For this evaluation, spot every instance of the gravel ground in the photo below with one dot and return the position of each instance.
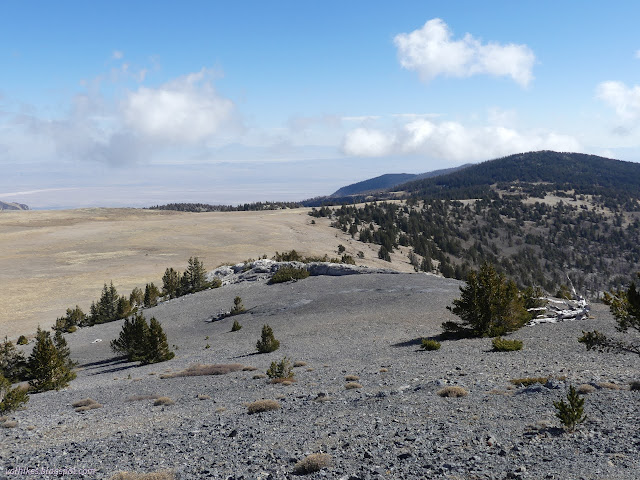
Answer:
(394, 427)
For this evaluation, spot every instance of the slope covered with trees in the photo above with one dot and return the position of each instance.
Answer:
(543, 218)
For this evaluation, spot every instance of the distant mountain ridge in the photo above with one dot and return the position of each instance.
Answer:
(13, 206)
(388, 181)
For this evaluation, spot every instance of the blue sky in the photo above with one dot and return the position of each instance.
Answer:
(137, 103)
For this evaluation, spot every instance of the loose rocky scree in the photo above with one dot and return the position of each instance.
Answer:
(395, 427)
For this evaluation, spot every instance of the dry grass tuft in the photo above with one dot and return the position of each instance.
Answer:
(312, 463)
(309, 369)
(137, 398)
(383, 370)
(453, 392)
(262, 406)
(249, 369)
(610, 386)
(9, 424)
(585, 388)
(352, 385)
(3, 419)
(200, 369)
(352, 378)
(258, 376)
(528, 381)
(220, 409)
(158, 475)
(299, 364)
(203, 397)
(283, 381)
(85, 405)
(163, 401)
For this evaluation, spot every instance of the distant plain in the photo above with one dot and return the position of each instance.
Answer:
(53, 260)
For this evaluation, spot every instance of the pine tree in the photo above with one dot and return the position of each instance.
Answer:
(12, 362)
(196, 275)
(267, 342)
(64, 352)
(157, 346)
(238, 307)
(142, 342)
(48, 369)
(132, 339)
(71, 320)
(571, 413)
(11, 398)
(151, 294)
(171, 281)
(489, 305)
(136, 298)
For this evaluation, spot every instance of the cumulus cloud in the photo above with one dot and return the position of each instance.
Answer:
(452, 141)
(624, 100)
(187, 109)
(368, 142)
(431, 51)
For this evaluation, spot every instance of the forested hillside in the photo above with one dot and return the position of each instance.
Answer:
(544, 218)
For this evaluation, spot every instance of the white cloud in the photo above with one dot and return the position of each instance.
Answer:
(117, 55)
(185, 110)
(638, 54)
(625, 100)
(366, 142)
(431, 52)
(453, 141)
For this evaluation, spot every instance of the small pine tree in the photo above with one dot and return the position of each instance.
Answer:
(157, 346)
(71, 320)
(238, 307)
(48, 368)
(22, 340)
(132, 339)
(383, 254)
(136, 298)
(281, 369)
(11, 398)
(151, 294)
(236, 326)
(572, 413)
(267, 342)
(142, 342)
(490, 305)
(12, 362)
(171, 283)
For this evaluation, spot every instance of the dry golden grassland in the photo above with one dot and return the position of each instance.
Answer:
(53, 260)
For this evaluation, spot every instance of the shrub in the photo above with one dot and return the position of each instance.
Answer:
(22, 340)
(299, 364)
(570, 413)
(71, 320)
(262, 406)
(453, 392)
(267, 342)
(502, 345)
(489, 306)
(528, 381)
(86, 405)
(312, 463)
(49, 366)
(352, 378)
(11, 398)
(625, 308)
(281, 370)
(286, 274)
(430, 344)
(236, 326)
(163, 401)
